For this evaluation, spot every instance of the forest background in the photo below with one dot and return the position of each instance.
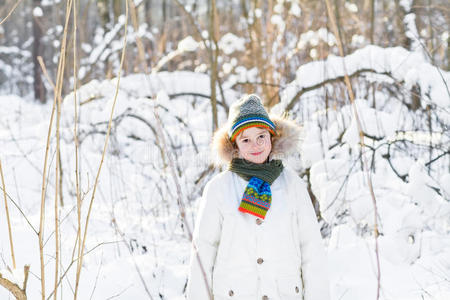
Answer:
(107, 109)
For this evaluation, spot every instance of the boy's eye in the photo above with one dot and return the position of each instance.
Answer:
(262, 136)
(245, 140)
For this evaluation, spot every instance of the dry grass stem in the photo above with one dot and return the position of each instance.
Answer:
(361, 136)
(80, 261)
(10, 12)
(7, 218)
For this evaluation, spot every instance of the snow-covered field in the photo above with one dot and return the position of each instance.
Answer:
(136, 243)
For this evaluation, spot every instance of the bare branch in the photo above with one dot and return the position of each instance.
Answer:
(13, 288)
(302, 91)
(10, 12)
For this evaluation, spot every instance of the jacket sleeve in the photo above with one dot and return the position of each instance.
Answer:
(314, 258)
(206, 238)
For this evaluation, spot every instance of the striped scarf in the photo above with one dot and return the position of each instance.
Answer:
(257, 194)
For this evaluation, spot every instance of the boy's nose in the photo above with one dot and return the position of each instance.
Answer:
(256, 144)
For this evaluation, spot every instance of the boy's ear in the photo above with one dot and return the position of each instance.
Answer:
(221, 146)
(235, 151)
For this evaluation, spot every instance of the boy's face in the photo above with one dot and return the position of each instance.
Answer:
(254, 144)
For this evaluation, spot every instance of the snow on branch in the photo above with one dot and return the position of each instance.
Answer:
(15, 282)
(403, 66)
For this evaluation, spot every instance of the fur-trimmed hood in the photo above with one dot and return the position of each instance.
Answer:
(284, 144)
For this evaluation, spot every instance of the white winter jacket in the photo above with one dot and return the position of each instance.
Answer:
(247, 258)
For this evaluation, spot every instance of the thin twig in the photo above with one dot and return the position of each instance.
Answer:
(42, 213)
(297, 96)
(75, 260)
(116, 227)
(139, 43)
(44, 70)
(180, 203)
(21, 212)
(7, 218)
(80, 262)
(361, 136)
(10, 12)
(431, 59)
(75, 133)
(57, 95)
(198, 32)
(59, 82)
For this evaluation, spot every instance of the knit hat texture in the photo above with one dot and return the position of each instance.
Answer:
(248, 112)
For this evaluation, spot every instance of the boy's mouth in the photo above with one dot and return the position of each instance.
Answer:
(256, 153)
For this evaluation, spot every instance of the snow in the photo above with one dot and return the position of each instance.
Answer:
(313, 37)
(227, 68)
(37, 12)
(135, 224)
(444, 36)
(406, 4)
(229, 43)
(205, 34)
(278, 21)
(358, 39)
(258, 13)
(162, 97)
(351, 7)
(14, 50)
(86, 47)
(412, 217)
(16, 276)
(278, 8)
(397, 62)
(313, 53)
(187, 44)
(445, 184)
(202, 68)
(103, 42)
(411, 32)
(295, 10)
(49, 2)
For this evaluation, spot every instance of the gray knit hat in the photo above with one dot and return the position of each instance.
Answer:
(248, 112)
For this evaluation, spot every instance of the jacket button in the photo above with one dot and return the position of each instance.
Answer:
(259, 221)
(265, 297)
(260, 260)
(231, 293)
(296, 289)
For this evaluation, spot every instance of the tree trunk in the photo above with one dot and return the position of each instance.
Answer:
(258, 46)
(399, 20)
(430, 33)
(372, 21)
(164, 12)
(38, 85)
(338, 24)
(117, 9)
(448, 52)
(103, 11)
(213, 60)
(148, 13)
(163, 34)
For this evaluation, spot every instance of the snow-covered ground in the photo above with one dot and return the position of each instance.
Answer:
(135, 238)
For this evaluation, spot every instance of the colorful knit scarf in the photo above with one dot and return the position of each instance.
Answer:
(257, 195)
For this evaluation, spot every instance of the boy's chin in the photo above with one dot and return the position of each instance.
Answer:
(257, 160)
